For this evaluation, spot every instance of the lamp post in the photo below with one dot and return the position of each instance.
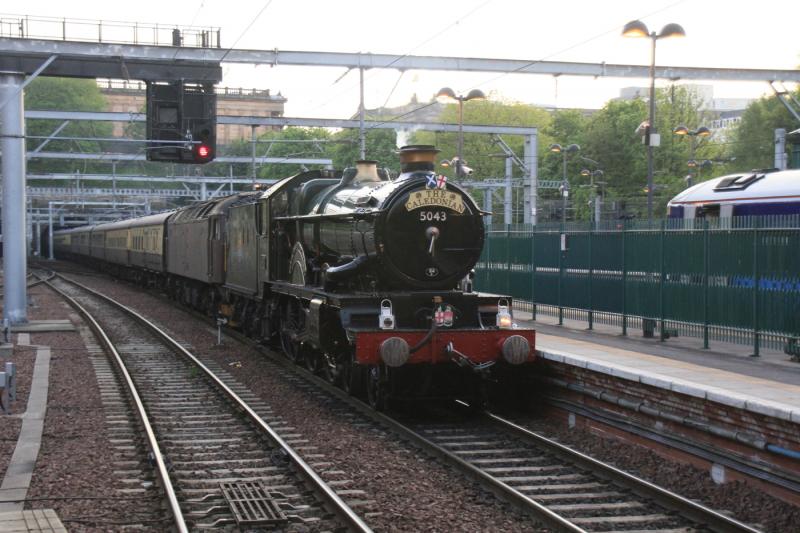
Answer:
(701, 132)
(637, 28)
(445, 94)
(596, 199)
(564, 188)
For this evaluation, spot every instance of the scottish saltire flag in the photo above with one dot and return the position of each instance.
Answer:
(431, 182)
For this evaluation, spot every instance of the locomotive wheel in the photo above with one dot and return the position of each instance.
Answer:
(352, 381)
(377, 387)
(331, 371)
(291, 324)
(313, 361)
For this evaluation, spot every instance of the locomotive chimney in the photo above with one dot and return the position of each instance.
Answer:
(418, 158)
(366, 171)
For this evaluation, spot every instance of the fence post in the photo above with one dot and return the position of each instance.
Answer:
(508, 260)
(706, 266)
(533, 273)
(561, 239)
(624, 284)
(661, 333)
(488, 243)
(591, 275)
(756, 283)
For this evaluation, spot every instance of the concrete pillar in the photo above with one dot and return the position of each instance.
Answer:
(362, 136)
(487, 205)
(531, 179)
(28, 227)
(780, 149)
(598, 203)
(50, 231)
(508, 198)
(15, 261)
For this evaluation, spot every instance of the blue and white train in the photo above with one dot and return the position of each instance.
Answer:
(753, 193)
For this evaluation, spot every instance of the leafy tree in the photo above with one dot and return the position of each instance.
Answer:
(610, 138)
(380, 144)
(480, 151)
(752, 141)
(65, 94)
(274, 144)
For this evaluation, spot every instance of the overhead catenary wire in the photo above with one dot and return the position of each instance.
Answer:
(440, 32)
(534, 62)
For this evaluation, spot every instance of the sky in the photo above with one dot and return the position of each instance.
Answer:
(720, 33)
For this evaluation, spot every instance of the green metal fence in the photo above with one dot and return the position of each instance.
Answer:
(733, 280)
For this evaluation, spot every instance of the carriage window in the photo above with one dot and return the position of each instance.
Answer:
(707, 211)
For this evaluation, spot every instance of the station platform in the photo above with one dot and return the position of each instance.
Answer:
(36, 520)
(725, 373)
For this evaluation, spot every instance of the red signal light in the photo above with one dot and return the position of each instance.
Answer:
(202, 153)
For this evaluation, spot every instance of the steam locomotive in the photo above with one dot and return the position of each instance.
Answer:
(364, 279)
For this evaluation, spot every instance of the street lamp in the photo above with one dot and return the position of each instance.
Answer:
(445, 94)
(701, 132)
(637, 28)
(564, 187)
(596, 199)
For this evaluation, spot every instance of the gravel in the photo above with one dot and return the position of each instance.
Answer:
(740, 499)
(24, 357)
(76, 459)
(411, 491)
(417, 493)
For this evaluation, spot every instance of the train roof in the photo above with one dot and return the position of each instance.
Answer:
(209, 208)
(79, 229)
(775, 185)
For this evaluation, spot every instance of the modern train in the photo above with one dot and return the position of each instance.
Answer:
(363, 278)
(753, 193)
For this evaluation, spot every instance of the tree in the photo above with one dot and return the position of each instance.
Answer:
(65, 94)
(752, 143)
(480, 151)
(380, 144)
(610, 138)
(278, 144)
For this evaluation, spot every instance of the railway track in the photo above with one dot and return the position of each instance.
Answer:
(562, 488)
(28, 283)
(566, 489)
(218, 462)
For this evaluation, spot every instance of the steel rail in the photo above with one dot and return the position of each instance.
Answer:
(692, 510)
(687, 508)
(152, 442)
(31, 284)
(499, 489)
(352, 520)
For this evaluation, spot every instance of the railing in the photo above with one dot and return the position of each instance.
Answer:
(733, 280)
(105, 31)
(52, 192)
(233, 92)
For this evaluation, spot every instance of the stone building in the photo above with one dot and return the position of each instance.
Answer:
(129, 97)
